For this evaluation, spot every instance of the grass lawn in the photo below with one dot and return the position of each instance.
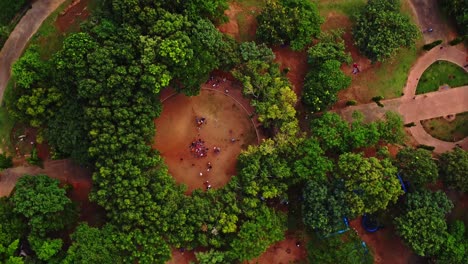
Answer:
(385, 79)
(445, 130)
(440, 73)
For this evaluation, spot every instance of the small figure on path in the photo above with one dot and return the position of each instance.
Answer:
(355, 68)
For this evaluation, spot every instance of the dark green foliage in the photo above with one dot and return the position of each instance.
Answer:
(324, 207)
(381, 30)
(432, 45)
(455, 248)
(256, 236)
(293, 22)
(322, 85)
(457, 9)
(351, 102)
(35, 99)
(271, 92)
(325, 78)
(337, 136)
(9, 9)
(5, 161)
(311, 162)
(426, 147)
(331, 46)
(454, 169)
(423, 225)
(344, 249)
(11, 227)
(417, 166)
(34, 158)
(458, 40)
(93, 245)
(370, 184)
(40, 200)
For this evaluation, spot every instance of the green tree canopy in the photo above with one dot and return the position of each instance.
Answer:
(370, 184)
(417, 166)
(381, 30)
(423, 225)
(41, 200)
(293, 22)
(453, 169)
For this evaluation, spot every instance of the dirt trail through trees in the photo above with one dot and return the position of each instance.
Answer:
(20, 36)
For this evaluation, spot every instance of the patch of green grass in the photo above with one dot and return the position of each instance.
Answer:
(6, 122)
(391, 76)
(445, 130)
(440, 73)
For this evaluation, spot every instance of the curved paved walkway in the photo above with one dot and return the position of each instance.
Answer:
(425, 106)
(20, 36)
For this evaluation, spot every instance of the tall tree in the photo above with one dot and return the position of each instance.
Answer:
(370, 184)
(45, 205)
(453, 169)
(293, 22)
(417, 166)
(381, 30)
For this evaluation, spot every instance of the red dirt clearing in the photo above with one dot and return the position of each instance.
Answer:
(283, 252)
(176, 129)
(75, 13)
(387, 247)
(296, 61)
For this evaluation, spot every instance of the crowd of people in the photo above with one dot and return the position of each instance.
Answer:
(198, 148)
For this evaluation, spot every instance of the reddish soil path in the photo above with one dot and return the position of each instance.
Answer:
(226, 120)
(20, 36)
(386, 246)
(430, 105)
(283, 252)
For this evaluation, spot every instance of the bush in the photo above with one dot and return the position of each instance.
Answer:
(458, 40)
(5, 161)
(432, 45)
(430, 148)
(377, 98)
(34, 159)
(412, 124)
(351, 102)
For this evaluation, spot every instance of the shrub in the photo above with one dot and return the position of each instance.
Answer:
(5, 161)
(351, 102)
(458, 40)
(412, 124)
(432, 45)
(430, 148)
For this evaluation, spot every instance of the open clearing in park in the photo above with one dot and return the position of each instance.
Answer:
(176, 129)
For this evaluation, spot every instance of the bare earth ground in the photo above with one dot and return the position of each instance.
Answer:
(176, 129)
(429, 16)
(77, 11)
(283, 252)
(387, 247)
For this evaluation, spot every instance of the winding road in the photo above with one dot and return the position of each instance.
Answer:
(425, 106)
(21, 35)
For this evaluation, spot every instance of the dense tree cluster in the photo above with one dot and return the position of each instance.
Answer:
(110, 76)
(458, 10)
(290, 22)
(381, 30)
(325, 77)
(417, 166)
(423, 225)
(453, 169)
(37, 210)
